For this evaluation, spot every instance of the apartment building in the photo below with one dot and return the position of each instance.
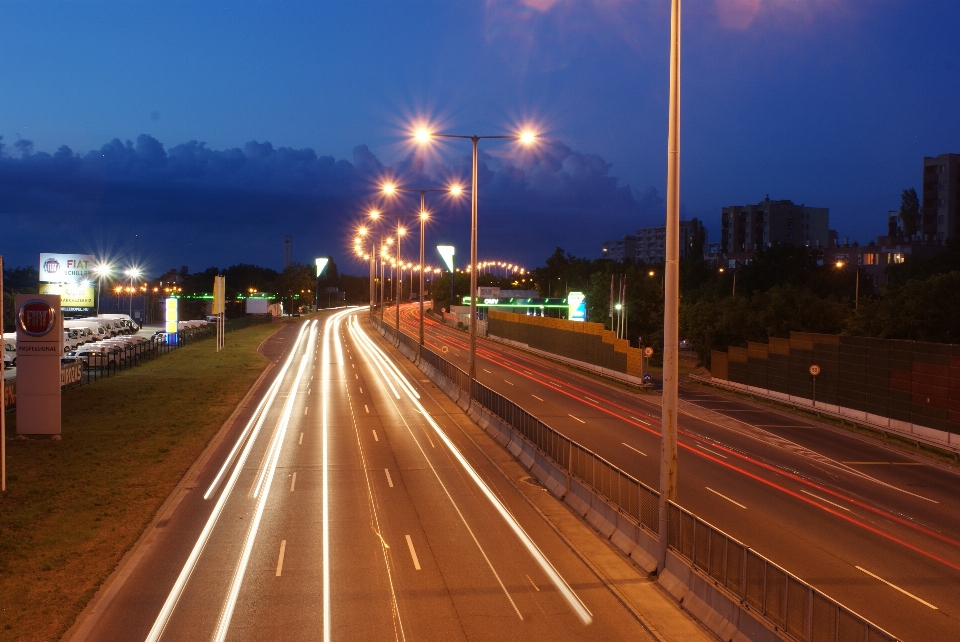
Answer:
(747, 228)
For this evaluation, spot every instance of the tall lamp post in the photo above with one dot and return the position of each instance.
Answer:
(390, 189)
(101, 270)
(133, 273)
(671, 299)
(525, 137)
(856, 291)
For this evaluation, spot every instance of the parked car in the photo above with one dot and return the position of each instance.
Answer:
(10, 348)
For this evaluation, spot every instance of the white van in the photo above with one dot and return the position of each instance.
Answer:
(129, 325)
(10, 348)
(97, 330)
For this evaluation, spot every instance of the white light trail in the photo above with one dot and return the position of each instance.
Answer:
(174, 596)
(578, 607)
(226, 615)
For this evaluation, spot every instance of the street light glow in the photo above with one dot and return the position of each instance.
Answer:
(389, 188)
(401, 231)
(456, 190)
(362, 231)
(374, 214)
(839, 264)
(527, 137)
(424, 216)
(422, 135)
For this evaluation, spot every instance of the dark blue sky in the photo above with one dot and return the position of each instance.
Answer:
(827, 102)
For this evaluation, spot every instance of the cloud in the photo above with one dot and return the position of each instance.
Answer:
(192, 205)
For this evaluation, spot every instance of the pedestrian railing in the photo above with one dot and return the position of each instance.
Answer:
(793, 607)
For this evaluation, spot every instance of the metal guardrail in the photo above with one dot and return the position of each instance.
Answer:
(793, 607)
(797, 609)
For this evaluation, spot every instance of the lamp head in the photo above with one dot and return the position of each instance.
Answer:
(389, 188)
(422, 135)
(527, 137)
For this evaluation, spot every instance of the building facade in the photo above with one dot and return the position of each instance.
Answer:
(940, 202)
(747, 228)
(623, 250)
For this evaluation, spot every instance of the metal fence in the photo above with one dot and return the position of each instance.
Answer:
(795, 608)
(113, 360)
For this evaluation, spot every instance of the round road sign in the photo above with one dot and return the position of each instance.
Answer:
(814, 370)
(36, 317)
(443, 348)
(648, 352)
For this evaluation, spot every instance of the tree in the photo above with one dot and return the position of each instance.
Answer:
(910, 211)
(295, 285)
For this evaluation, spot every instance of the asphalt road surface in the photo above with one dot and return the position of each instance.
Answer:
(342, 503)
(868, 525)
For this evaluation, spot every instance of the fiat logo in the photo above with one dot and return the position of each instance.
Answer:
(51, 266)
(36, 317)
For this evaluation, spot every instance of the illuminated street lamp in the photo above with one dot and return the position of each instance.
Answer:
(133, 273)
(101, 270)
(390, 189)
(525, 137)
(856, 292)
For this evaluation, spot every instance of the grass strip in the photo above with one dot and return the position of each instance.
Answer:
(74, 507)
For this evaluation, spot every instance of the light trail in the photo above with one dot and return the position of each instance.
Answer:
(156, 631)
(226, 614)
(578, 607)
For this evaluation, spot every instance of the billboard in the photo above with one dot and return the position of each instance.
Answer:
(577, 304)
(72, 295)
(65, 268)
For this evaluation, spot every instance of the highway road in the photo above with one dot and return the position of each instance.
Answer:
(343, 503)
(869, 525)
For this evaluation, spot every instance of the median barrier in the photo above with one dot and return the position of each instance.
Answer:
(731, 589)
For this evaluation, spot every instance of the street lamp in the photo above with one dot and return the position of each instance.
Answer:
(526, 137)
(856, 292)
(101, 270)
(133, 273)
(390, 189)
(671, 297)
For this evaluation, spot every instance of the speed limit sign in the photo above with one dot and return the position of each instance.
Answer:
(814, 370)
(648, 352)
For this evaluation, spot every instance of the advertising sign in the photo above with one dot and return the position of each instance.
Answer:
(321, 264)
(171, 316)
(446, 253)
(65, 268)
(487, 292)
(72, 295)
(39, 347)
(577, 304)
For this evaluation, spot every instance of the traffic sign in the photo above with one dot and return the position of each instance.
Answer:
(814, 370)
(648, 352)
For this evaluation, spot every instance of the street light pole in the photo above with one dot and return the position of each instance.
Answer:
(671, 302)
(399, 288)
(526, 137)
(423, 220)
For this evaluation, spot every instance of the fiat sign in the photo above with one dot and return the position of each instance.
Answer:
(36, 317)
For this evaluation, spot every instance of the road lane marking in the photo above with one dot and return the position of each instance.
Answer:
(293, 481)
(305, 410)
(375, 438)
(593, 400)
(413, 553)
(712, 452)
(576, 604)
(534, 584)
(308, 391)
(894, 586)
(536, 397)
(357, 376)
(366, 408)
(389, 479)
(301, 439)
(505, 381)
(487, 371)
(725, 497)
(826, 501)
(633, 449)
(255, 423)
(361, 391)
(578, 419)
(643, 421)
(283, 548)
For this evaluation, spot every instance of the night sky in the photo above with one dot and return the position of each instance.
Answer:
(202, 133)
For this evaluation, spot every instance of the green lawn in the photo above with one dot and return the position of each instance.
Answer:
(74, 507)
